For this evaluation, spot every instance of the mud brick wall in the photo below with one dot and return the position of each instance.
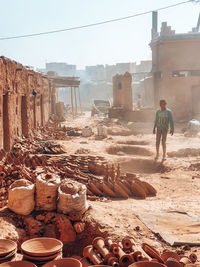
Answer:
(122, 91)
(20, 110)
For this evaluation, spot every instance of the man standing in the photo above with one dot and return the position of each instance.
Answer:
(163, 120)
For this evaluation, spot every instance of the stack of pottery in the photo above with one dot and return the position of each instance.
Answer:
(8, 250)
(42, 250)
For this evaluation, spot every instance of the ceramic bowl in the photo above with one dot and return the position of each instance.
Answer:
(42, 246)
(7, 246)
(66, 262)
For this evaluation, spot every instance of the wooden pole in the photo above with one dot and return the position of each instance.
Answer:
(80, 100)
(72, 102)
(76, 110)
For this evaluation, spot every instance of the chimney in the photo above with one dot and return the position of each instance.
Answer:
(154, 23)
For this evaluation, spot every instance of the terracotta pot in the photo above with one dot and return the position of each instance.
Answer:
(147, 264)
(184, 261)
(127, 243)
(151, 191)
(138, 190)
(170, 254)
(99, 244)
(89, 253)
(113, 261)
(193, 257)
(107, 190)
(114, 248)
(120, 192)
(125, 188)
(108, 242)
(136, 254)
(152, 252)
(94, 189)
(171, 262)
(65, 262)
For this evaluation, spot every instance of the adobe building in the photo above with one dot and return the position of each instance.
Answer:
(176, 69)
(24, 101)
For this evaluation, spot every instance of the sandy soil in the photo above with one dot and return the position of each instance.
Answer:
(176, 182)
(178, 188)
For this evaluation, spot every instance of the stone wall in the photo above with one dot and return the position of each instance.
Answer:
(122, 91)
(24, 101)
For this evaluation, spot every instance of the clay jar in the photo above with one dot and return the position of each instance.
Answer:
(89, 253)
(99, 244)
(127, 243)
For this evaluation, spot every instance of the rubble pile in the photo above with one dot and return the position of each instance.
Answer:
(126, 253)
(34, 146)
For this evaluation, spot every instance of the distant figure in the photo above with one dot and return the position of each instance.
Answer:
(163, 120)
(139, 102)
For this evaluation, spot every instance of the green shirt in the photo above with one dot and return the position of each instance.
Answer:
(164, 119)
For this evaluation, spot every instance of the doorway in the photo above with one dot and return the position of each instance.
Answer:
(6, 124)
(196, 100)
(24, 117)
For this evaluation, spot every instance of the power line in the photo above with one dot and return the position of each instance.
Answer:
(93, 24)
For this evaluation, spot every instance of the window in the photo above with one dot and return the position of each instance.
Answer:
(185, 73)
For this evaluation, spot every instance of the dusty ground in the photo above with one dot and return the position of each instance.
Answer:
(178, 188)
(177, 184)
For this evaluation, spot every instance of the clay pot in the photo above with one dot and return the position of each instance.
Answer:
(125, 188)
(152, 252)
(113, 261)
(106, 189)
(147, 264)
(99, 244)
(94, 189)
(89, 253)
(193, 257)
(99, 266)
(184, 261)
(65, 262)
(120, 192)
(114, 248)
(171, 262)
(151, 191)
(138, 190)
(170, 254)
(127, 243)
(108, 242)
(89, 193)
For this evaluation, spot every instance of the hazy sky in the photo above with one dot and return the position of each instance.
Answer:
(123, 41)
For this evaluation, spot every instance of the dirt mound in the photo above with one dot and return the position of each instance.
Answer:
(134, 142)
(120, 131)
(133, 150)
(185, 152)
(144, 166)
